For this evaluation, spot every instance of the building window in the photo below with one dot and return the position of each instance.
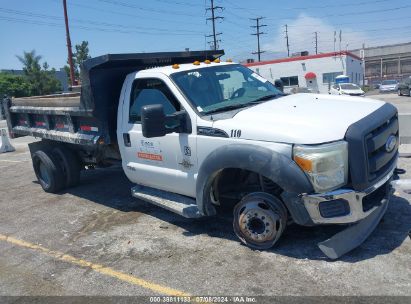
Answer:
(330, 77)
(290, 81)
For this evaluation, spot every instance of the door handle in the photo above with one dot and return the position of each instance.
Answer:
(126, 138)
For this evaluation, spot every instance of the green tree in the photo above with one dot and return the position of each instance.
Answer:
(42, 81)
(79, 56)
(14, 85)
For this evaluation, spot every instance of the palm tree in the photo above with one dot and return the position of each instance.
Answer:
(31, 62)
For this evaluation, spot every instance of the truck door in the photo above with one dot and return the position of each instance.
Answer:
(167, 163)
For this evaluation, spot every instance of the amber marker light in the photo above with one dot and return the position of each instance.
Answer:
(229, 60)
(217, 60)
(207, 61)
(305, 164)
(196, 62)
(175, 66)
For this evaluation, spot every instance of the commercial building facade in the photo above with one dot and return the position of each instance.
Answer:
(386, 62)
(316, 72)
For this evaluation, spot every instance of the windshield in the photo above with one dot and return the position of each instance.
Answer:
(225, 87)
(387, 82)
(349, 86)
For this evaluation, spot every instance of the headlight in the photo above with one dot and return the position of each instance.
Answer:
(325, 165)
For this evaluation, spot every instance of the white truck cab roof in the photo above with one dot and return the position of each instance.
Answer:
(171, 69)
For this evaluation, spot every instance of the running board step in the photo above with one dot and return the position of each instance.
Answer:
(176, 203)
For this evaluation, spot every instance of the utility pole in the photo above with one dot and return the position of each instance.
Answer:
(286, 38)
(213, 18)
(70, 53)
(258, 33)
(316, 42)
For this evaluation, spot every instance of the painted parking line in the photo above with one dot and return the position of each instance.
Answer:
(13, 161)
(108, 271)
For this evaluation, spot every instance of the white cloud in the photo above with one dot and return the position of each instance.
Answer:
(301, 36)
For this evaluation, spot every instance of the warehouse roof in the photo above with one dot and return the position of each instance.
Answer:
(298, 58)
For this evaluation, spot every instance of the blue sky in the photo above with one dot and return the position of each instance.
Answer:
(121, 26)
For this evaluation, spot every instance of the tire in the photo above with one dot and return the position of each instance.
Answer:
(259, 220)
(48, 171)
(70, 164)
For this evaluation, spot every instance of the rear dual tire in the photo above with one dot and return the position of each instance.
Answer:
(56, 169)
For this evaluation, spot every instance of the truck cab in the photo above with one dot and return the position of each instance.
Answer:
(194, 134)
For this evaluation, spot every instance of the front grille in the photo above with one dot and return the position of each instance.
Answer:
(379, 159)
(369, 159)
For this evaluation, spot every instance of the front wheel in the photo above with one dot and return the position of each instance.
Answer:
(259, 220)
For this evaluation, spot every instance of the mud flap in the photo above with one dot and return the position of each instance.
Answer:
(353, 236)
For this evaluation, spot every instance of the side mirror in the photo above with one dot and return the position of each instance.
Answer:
(279, 84)
(153, 121)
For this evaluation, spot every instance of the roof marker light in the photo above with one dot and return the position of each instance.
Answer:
(217, 60)
(207, 61)
(175, 66)
(196, 62)
(229, 60)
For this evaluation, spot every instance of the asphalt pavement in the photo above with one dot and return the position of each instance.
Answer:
(95, 239)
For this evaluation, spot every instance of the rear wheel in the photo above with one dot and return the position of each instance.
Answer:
(70, 164)
(48, 171)
(259, 220)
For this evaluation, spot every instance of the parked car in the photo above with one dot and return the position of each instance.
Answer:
(388, 86)
(404, 88)
(346, 89)
(198, 135)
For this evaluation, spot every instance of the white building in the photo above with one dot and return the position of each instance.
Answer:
(316, 72)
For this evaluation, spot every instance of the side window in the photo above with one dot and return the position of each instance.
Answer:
(151, 91)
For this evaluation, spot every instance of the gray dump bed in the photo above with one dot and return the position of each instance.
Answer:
(89, 117)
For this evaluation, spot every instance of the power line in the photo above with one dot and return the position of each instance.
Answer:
(37, 22)
(151, 10)
(145, 16)
(213, 18)
(43, 16)
(258, 33)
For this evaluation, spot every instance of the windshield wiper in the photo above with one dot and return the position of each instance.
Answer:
(227, 108)
(266, 97)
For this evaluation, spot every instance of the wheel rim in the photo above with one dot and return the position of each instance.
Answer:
(44, 175)
(258, 222)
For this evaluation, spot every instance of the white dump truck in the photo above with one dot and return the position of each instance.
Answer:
(194, 133)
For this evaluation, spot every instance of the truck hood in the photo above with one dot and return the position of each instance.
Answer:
(300, 118)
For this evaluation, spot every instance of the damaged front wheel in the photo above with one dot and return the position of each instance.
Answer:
(259, 220)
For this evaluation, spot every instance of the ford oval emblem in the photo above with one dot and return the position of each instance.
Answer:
(390, 143)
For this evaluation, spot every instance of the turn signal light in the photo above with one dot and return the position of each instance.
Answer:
(305, 164)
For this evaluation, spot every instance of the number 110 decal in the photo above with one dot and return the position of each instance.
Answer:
(235, 133)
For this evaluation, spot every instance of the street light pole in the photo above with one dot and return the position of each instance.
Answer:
(70, 53)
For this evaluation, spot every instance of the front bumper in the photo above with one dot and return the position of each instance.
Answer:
(365, 221)
(346, 205)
